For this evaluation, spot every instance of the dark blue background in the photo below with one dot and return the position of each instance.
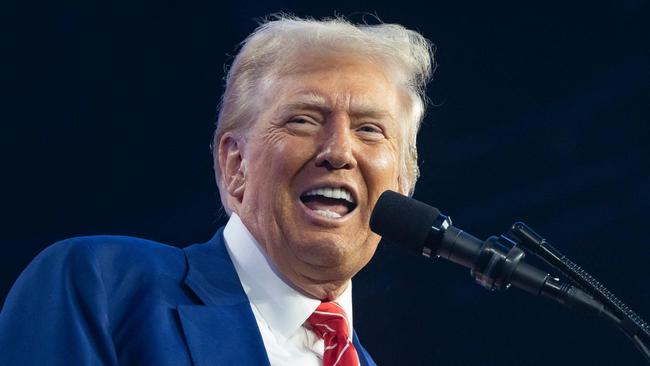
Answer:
(539, 113)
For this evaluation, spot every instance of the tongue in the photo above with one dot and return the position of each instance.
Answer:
(327, 204)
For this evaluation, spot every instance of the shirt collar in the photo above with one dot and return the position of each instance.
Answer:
(283, 308)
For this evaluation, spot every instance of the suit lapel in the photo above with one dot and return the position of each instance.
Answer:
(223, 329)
(216, 335)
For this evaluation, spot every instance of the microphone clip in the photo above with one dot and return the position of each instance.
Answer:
(497, 260)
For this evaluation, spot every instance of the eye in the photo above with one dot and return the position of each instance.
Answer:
(303, 120)
(371, 130)
(299, 120)
(302, 125)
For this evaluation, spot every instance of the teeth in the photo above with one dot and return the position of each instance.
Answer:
(327, 213)
(338, 193)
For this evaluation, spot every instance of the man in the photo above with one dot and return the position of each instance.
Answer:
(317, 120)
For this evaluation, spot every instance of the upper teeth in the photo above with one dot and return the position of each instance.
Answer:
(340, 193)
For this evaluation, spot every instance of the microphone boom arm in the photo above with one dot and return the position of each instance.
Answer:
(497, 263)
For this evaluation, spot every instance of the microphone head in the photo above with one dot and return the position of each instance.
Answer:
(403, 220)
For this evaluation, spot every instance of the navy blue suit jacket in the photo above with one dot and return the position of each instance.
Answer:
(109, 300)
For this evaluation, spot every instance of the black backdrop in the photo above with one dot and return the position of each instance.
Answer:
(539, 113)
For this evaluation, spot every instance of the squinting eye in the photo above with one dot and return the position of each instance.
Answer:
(299, 120)
(301, 124)
(370, 129)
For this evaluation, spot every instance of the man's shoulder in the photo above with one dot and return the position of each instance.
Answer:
(103, 266)
(102, 293)
(111, 261)
(112, 251)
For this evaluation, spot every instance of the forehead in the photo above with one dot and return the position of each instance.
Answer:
(329, 83)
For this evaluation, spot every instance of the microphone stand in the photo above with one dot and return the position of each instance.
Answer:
(499, 264)
(631, 324)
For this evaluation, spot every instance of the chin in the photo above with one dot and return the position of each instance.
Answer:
(335, 257)
(328, 251)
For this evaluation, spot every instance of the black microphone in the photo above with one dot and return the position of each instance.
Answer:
(495, 263)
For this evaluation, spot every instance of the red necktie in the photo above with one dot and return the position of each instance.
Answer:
(330, 323)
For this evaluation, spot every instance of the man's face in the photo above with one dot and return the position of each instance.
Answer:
(325, 145)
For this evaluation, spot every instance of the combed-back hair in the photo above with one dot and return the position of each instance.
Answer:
(275, 47)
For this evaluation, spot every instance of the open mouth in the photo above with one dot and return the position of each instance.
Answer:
(329, 202)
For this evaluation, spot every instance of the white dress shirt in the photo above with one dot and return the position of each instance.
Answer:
(280, 310)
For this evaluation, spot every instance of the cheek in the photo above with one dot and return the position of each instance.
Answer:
(279, 159)
(382, 169)
(290, 154)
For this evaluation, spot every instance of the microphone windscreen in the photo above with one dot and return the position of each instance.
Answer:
(403, 220)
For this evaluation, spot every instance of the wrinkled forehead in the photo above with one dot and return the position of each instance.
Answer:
(330, 81)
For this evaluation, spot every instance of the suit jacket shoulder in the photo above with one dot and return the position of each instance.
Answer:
(87, 300)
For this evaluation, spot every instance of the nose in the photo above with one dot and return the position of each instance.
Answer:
(336, 150)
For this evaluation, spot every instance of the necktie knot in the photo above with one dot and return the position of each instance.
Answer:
(329, 320)
(330, 323)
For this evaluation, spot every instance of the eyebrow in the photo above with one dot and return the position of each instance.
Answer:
(314, 101)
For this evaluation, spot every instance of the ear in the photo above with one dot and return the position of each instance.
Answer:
(232, 164)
